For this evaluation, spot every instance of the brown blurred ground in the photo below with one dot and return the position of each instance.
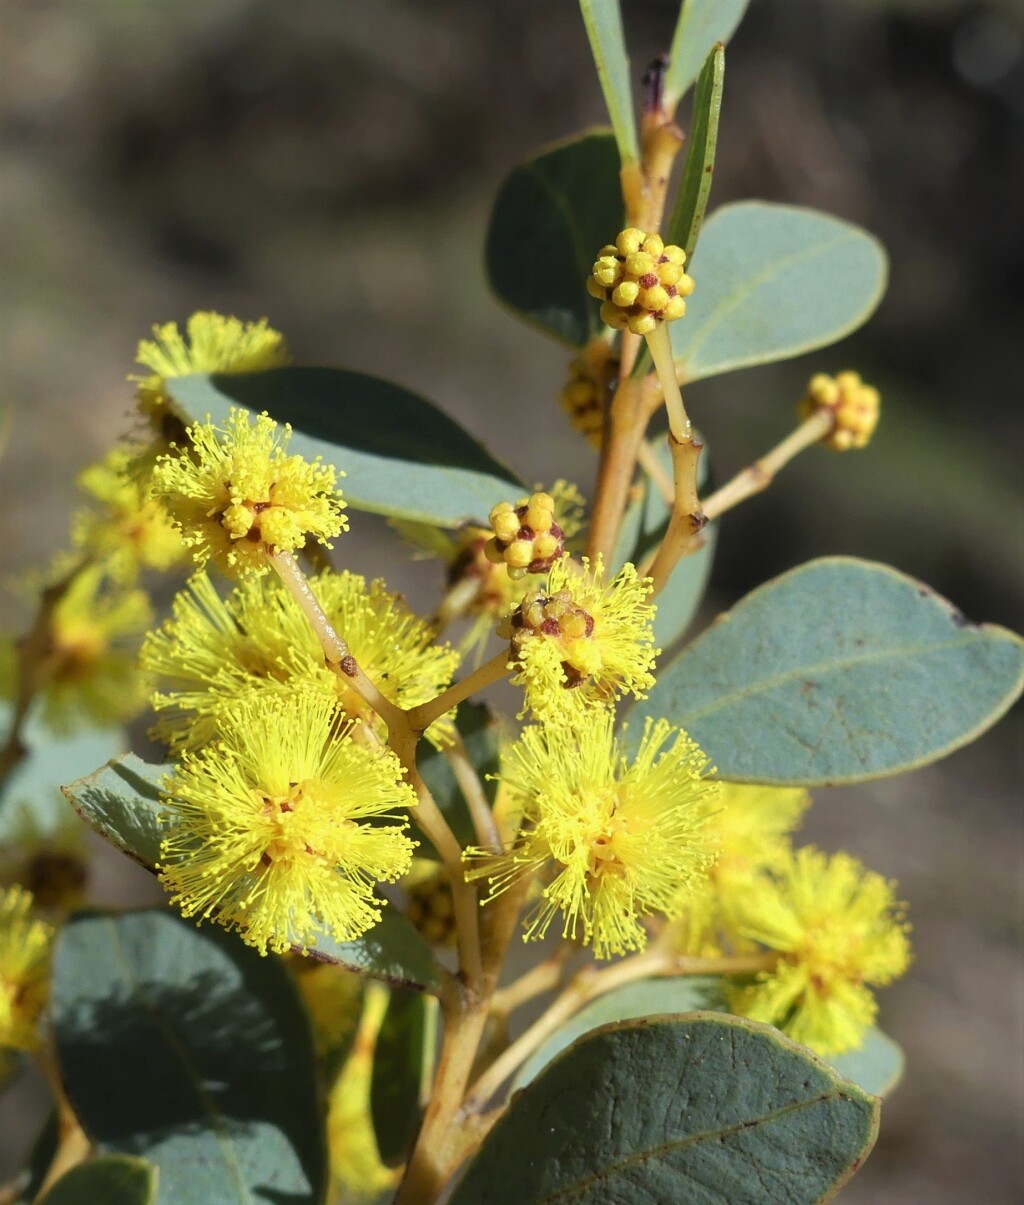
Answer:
(297, 161)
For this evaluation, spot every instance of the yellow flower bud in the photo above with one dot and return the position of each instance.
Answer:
(642, 324)
(674, 308)
(639, 283)
(654, 299)
(653, 245)
(855, 406)
(669, 273)
(625, 294)
(640, 264)
(519, 554)
(629, 240)
(613, 316)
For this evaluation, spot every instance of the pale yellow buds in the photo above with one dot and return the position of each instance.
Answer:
(640, 281)
(854, 405)
(526, 537)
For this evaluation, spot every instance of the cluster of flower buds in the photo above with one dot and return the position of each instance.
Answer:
(640, 281)
(526, 537)
(584, 395)
(854, 405)
(430, 908)
(559, 617)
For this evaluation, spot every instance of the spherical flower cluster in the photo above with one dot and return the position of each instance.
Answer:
(526, 538)
(214, 652)
(580, 641)
(584, 396)
(854, 405)
(24, 969)
(839, 931)
(278, 830)
(238, 498)
(641, 282)
(430, 906)
(616, 841)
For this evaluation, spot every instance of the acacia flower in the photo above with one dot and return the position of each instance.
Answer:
(615, 841)
(237, 497)
(132, 531)
(212, 343)
(749, 826)
(526, 538)
(640, 281)
(276, 829)
(215, 651)
(854, 405)
(580, 641)
(839, 931)
(24, 969)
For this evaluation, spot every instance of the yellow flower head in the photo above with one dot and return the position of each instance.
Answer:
(132, 531)
(749, 826)
(214, 652)
(641, 282)
(580, 641)
(855, 406)
(213, 343)
(24, 969)
(356, 1168)
(237, 497)
(618, 841)
(839, 931)
(90, 671)
(585, 395)
(526, 538)
(276, 830)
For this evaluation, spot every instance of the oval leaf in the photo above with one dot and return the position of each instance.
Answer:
(627, 1003)
(401, 455)
(700, 1109)
(877, 1066)
(838, 671)
(695, 187)
(701, 24)
(774, 281)
(552, 215)
(603, 20)
(189, 1048)
(109, 1180)
(392, 951)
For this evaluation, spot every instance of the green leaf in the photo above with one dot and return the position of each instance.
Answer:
(695, 186)
(645, 524)
(401, 455)
(608, 46)
(774, 281)
(187, 1047)
(701, 24)
(402, 1064)
(121, 801)
(701, 1109)
(838, 671)
(108, 1180)
(877, 1066)
(475, 724)
(627, 1003)
(392, 951)
(552, 215)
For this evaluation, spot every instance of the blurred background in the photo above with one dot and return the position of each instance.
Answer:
(310, 161)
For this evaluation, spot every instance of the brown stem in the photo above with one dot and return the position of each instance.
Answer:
(491, 671)
(687, 519)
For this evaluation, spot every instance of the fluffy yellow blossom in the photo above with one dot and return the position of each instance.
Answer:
(616, 840)
(214, 651)
(238, 497)
(276, 829)
(839, 931)
(749, 826)
(580, 641)
(527, 538)
(585, 395)
(856, 408)
(89, 668)
(132, 531)
(357, 1173)
(24, 969)
(641, 282)
(212, 343)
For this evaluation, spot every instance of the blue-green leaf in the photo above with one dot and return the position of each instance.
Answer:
(698, 1109)
(608, 46)
(701, 24)
(185, 1046)
(877, 1066)
(401, 455)
(552, 215)
(838, 671)
(774, 281)
(392, 951)
(108, 1180)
